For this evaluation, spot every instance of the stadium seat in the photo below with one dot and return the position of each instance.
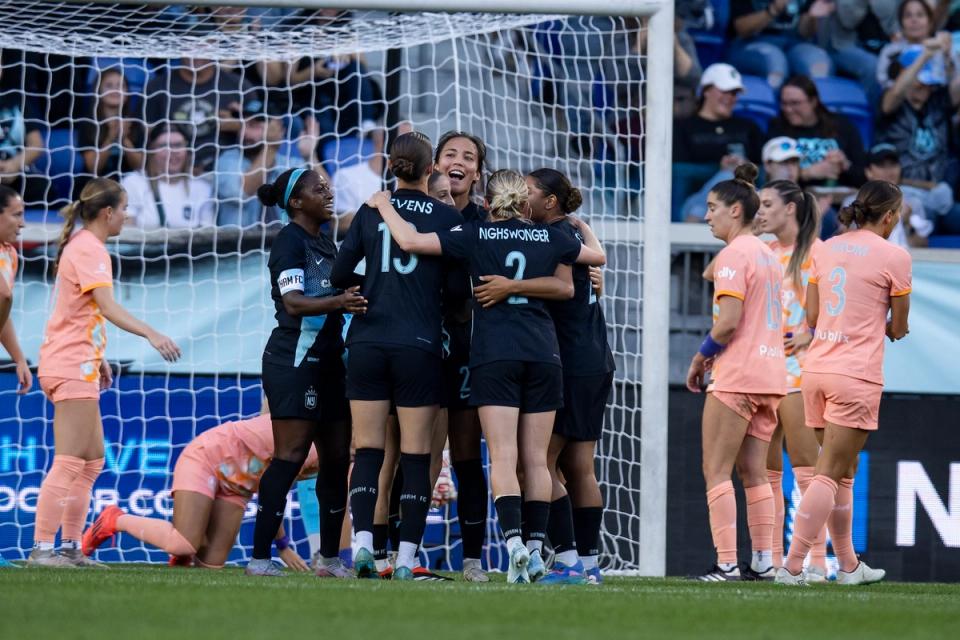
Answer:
(712, 44)
(757, 102)
(346, 151)
(64, 160)
(944, 242)
(847, 97)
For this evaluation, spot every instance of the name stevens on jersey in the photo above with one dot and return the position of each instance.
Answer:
(414, 206)
(524, 235)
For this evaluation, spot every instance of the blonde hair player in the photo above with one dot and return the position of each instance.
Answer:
(744, 353)
(857, 279)
(73, 370)
(517, 380)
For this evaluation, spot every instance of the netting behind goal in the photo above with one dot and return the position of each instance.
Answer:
(89, 89)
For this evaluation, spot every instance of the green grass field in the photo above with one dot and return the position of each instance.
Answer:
(137, 602)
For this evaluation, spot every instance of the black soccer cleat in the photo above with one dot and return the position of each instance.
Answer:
(717, 574)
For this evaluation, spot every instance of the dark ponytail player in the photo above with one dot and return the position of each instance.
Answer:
(303, 372)
(395, 353)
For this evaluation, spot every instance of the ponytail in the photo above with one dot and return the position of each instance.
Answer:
(70, 213)
(808, 224)
(98, 194)
(874, 200)
(507, 194)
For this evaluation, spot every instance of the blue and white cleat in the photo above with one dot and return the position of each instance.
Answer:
(403, 573)
(6, 564)
(267, 568)
(365, 565)
(536, 568)
(594, 576)
(517, 571)
(563, 574)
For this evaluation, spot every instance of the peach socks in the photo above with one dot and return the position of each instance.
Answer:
(78, 501)
(840, 523)
(54, 496)
(159, 533)
(818, 552)
(813, 511)
(722, 504)
(776, 486)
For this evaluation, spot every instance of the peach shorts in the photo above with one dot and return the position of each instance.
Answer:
(58, 389)
(194, 472)
(840, 400)
(758, 409)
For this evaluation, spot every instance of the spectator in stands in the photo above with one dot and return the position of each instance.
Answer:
(204, 98)
(781, 161)
(21, 144)
(165, 193)
(686, 64)
(855, 34)
(110, 139)
(916, 115)
(261, 157)
(883, 163)
(917, 33)
(337, 90)
(770, 38)
(830, 144)
(713, 139)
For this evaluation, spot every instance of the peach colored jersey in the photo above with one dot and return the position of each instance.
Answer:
(856, 275)
(794, 312)
(8, 264)
(753, 361)
(76, 335)
(241, 452)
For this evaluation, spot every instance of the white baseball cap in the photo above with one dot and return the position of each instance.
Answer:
(781, 149)
(722, 76)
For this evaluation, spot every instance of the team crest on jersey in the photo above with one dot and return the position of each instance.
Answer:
(310, 398)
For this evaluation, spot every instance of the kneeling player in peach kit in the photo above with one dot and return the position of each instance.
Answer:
(744, 352)
(856, 280)
(214, 479)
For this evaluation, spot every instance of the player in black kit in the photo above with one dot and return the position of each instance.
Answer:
(395, 351)
(460, 157)
(514, 357)
(303, 373)
(588, 367)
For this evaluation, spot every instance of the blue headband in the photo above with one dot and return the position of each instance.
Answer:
(291, 183)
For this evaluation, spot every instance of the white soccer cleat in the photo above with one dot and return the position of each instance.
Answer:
(787, 578)
(49, 558)
(79, 560)
(863, 574)
(475, 574)
(816, 575)
(519, 559)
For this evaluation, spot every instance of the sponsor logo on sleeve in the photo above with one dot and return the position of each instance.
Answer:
(726, 273)
(290, 280)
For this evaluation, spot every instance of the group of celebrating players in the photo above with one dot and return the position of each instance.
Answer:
(438, 320)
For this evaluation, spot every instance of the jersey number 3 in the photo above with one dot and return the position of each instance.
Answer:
(517, 257)
(838, 278)
(402, 268)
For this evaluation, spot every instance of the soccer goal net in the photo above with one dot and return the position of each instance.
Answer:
(190, 105)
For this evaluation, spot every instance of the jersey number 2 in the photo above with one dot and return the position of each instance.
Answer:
(398, 266)
(521, 262)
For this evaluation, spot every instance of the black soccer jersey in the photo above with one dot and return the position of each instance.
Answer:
(519, 328)
(473, 212)
(581, 327)
(402, 290)
(302, 262)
